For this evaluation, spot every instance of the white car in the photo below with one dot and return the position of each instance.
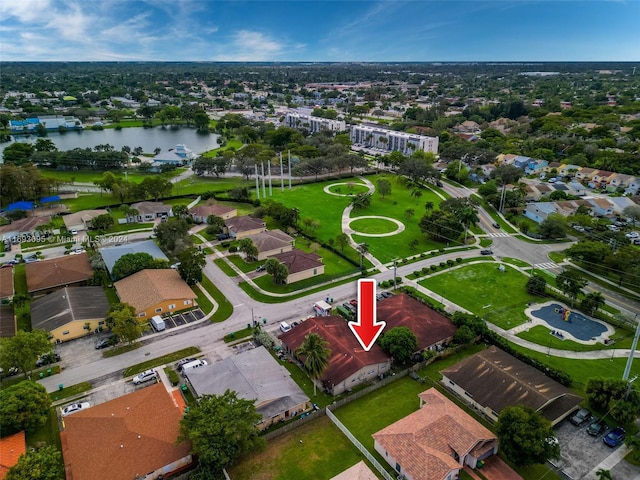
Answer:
(75, 407)
(632, 235)
(144, 376)
(73, 231)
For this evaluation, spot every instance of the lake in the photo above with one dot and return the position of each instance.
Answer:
(147, 138)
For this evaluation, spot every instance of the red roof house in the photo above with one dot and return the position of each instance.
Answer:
(11, 448)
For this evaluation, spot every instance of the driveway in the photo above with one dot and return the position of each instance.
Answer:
(495, 468)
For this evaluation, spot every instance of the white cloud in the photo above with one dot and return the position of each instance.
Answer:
(251, 46)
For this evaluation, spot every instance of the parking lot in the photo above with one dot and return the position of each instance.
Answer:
(581, 453)
(178, 319)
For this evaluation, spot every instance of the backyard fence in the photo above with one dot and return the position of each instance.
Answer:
(358, 445)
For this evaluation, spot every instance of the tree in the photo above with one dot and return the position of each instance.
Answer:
(102, 222)
(409, 213)
(192, 261)
(363, 249)
(173, 235)
(589, 251)
(603, 474)
(614, 396)
(129, 212)
(180, 211)
(122, 321)
(42, 464)
(131, 263)
(632, 212)
(463, 335)
(23, 349)
(571, 284)
(506, 174)
(361, 201)
(400, 343)
(221, 428)
(537, 285)
(342, 240)
(247, 247)
(441, 226)
(215, 224)
(592, 302)
(315, 355)
(525, 436)
(554, 226)
(416, 193)
(278, 271)
(23, 406)
(384, 187)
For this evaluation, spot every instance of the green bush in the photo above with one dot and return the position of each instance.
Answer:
(233, 249)
(417, 273)
(443, 265)
(458, 260)
(433, 267)
(451, 263)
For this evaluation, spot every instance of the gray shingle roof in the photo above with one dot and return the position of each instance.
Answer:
(67, 305)
(110, 255)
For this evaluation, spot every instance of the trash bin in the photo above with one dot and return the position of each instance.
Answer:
(41, 374)
(184, 387)
(264, 320)
(60, 386)
(48, 372)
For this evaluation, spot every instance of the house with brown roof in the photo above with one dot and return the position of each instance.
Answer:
(432, 329)
(154, 292)
(245, 226)
(570, 207)
(11, 448)
(436, 441)
(477, 378)
(8, 324)
(6, 283)
(272, 242)
(621, 180)
(133, 436)
(601, 207)
(586, 173)
(360, 471)
(149, 211)
(49, 275)
(23, 228)
(602, 179)
(81, 220)
(70, 312)
(200, 213)
(300, 264)
(349, 364)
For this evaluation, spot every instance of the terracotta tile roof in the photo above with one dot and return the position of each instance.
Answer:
(424, 442)
(492, 370)
(347, 355)
(206, 210)
(8, 324)
(298, 260)
(134, 434)
(25, 225)
(429, 326)
(6, 282)
(11, 448)
(244, 224)
(58, 272)
(270, 240)
(360, 471)
(147, 288)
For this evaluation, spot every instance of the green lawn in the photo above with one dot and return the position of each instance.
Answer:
(88, 176)
(203, 302)
(317, 451)
(225, 267)
(349, 188)
(270, 299)
(155, 362)
(541, 335)
(70, 391)
(475, 287)
(48, 434)
(373, 225)
(239, 262)
(225, 309)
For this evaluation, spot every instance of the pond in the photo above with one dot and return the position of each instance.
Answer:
(147, 138)
(559, 317)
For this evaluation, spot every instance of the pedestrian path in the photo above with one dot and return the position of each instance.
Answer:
(498, 235)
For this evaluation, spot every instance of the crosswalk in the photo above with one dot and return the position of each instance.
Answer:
(547, 266)
(497, 235)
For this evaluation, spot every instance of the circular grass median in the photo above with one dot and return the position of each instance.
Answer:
(373, 225)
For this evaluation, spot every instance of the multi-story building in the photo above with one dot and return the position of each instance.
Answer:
(372, 136)
(313, 124)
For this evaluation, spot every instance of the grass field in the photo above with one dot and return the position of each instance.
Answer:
(484, 290)
(155, 362)
(373, 225)
(541, 335)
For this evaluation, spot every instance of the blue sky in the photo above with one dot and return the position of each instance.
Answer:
(304, 30)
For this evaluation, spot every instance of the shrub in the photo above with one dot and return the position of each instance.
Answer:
(458, 260)
(433, 267)
(416, 273)
(450, 262)
(233, 249)
(443, 265)
(425, 270)
(398, 280)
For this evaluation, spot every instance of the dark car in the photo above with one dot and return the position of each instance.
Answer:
(349, 307)
(223, 236)
(615, 437)
(386, 294)
(47, 358)
(597, 427)
(487, 251)
(581, 416)
(106, 342)
(496, 225)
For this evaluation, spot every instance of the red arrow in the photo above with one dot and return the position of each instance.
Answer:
(367, 329)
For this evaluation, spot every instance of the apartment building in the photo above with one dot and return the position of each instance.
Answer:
(372, 136)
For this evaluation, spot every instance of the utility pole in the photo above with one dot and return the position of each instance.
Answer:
(627, 368)
(270, 188)
(395, 276)
(289, 155)
(281, 175)
(257, 184)
(264, 189)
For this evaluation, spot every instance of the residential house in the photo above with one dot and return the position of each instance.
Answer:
(553, 166)
(477, 378)
(272, 242)
(6, 283)
(634, 187)
(468, 126)
(619, 204)
(535, 167)
(50, 275)
(155, 292)
(506, 159)
(70, 312)
(254, 375)
(23, 229)
(8, 324)
(576, 188)
(602, 207)
(110, 255)
(136, 436)
(360, 471)
(622, 181)
(349, 364)
(436, 441)
(539, 211)
(570, 207)
(11, 448)
(521, 162)
(245, 226)
(601, 179)
(433, 330)
(585, 174)
(81, 220)
(200, 213)
(487, 169)
(568, 170)
(300, 264)
(149, 211)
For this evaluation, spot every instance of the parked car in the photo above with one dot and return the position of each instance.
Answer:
(597, 427)
(261, 268)
(106, 342)
(223, 236)
(615, 437)
(353, 302)
(145, 376)
(632, 235)
(578, 228)
(487, 251)
(75, 407)
(386, 294)
(581, 416)
(183, 362)
(349, 307)
(496, 225)
(47, 358)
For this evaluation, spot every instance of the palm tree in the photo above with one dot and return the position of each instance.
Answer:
(416, 193)
(467, 216)
(316, 356)
(428, 206)
(363, 249)
(603, 474)
(594, 301)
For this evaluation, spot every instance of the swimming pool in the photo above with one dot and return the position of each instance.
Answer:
(579, 326)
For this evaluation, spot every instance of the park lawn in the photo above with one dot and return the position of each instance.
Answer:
(542, 336)
(348, 188)
(373, 225)
(474, 287)
(196, 185)
(231, 144)
(89, 176)
(316, 451)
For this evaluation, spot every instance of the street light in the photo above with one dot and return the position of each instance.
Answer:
(395, 268)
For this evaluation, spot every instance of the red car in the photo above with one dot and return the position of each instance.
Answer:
(354, 302)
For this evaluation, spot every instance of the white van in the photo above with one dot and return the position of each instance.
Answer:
(158, 323)
(189, 367)
(285, 327)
